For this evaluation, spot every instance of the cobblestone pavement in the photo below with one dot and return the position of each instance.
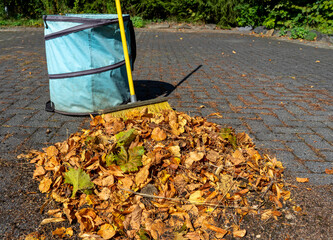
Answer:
(278, 92)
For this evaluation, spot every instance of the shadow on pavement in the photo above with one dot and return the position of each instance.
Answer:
(150, 89)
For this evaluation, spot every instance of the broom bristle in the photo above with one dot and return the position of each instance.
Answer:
(152, 108)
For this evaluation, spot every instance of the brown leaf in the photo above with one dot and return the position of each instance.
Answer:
(57, 213)
(106, 231)
(237, 157)
(329, 171)
(104, 181)
(158, 134)
(215, 229)
(133, 219)
(62, 232)
(266, 215)
(45, 185)
(127, 182)
(39, 171)
(85, 217)
(239, 233)
(212, 155)
(302, 180)
(104, 194)
(194, 157)
(52, 220)
(175, 151)
(51, 151)
(68, 210)
(157, 229)
(193, 236)
(142, 175)
(196, 197)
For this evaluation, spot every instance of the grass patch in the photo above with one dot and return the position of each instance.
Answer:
(21, 22)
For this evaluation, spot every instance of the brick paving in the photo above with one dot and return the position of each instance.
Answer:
(279, 92)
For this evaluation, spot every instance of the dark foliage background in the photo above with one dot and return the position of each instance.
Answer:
(288, 14)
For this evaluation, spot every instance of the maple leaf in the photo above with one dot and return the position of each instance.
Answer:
(130, 160)
(79, 179)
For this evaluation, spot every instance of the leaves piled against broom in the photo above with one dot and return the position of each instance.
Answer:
(161, 176)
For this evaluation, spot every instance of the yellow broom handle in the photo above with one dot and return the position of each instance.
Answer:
(127, 60)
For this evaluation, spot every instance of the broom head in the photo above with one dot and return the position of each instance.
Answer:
(153, 106)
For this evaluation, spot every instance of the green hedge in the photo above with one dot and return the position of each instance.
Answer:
(209, 11)
(310, 14)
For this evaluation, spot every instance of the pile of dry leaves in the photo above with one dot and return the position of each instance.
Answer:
(161, 176)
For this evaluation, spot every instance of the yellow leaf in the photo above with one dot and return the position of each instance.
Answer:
(266, 215)
(45, 185)
(51, 151)
(158, 134)
(239, 233)
(62, 232)
(196, 197)
(175, 151)
(302, 180)
(233, 51)
(39, 171)
(297, 208)
(52, 220)
(106, 231)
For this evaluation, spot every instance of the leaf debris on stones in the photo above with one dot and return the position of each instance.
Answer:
(158, 176)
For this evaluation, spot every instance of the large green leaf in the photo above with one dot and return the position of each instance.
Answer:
(79, 179)
(131, 160)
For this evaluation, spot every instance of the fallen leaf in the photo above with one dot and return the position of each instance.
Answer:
(104, 194)
(134, 218)
(62, 232)
(86, 219)
(51, 151)
(39, 171)
(239, 233)
(45, 185)
(216, 229)
(79, 179)
(158, 134)
(106, 231)
(237, 157)
(329, 171)
(193, 236)
(52, 220)
(142, 175)
(157, 229)
(196, 197)
(233, 51)
(212, 155)
(194, 157)
(302, 180)
(175, 151)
